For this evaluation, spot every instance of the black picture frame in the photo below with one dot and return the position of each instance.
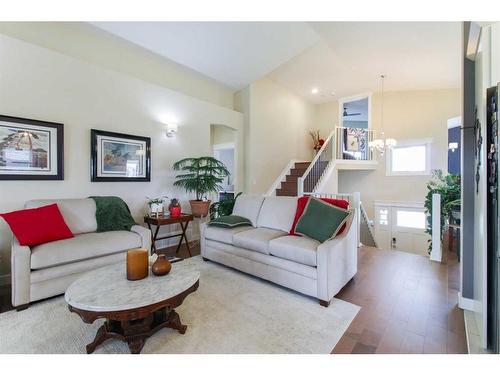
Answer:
(96, 175)
(58, 173)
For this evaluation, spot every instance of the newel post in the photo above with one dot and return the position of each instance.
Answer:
(300, 186)
(356, 198)
(436, 252)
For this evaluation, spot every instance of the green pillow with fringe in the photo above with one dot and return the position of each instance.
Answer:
(322, 221)
(230, 221)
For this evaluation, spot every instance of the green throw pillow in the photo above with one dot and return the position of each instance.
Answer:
(322, 221)
(230, 221)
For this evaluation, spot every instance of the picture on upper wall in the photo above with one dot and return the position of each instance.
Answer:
(119, 157)
(31, 149)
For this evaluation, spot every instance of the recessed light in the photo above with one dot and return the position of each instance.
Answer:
(314, 91)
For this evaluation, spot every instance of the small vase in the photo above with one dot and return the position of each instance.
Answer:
(161, 266)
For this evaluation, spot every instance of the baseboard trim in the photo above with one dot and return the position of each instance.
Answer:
(465, 303)
(5, 279)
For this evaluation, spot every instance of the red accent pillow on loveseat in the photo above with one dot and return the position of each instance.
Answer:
(35, 226)
(301, 205)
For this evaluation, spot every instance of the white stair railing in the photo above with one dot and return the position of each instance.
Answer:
(364, 216)
(319, 165)
(362, 135)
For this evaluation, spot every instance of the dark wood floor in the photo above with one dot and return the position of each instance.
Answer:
(408, 304)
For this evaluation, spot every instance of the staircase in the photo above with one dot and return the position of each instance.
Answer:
(367, 237)
(289, 186)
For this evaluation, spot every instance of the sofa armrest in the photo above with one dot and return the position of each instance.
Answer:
(20, 264)
(337, 262)
(145, 234)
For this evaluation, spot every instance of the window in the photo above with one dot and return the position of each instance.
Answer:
(383, 216)
(410, 219)
(409, 159)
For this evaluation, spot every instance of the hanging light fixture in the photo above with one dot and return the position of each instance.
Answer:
(382, 144)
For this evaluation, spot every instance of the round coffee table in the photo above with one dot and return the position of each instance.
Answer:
(134, 310)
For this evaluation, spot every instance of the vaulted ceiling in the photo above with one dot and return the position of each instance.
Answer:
(337, 58)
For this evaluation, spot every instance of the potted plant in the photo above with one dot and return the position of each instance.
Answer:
(318, 142)
(448, 186)
(174, 207)
(201, 176)
(224, 207)
(156, 206)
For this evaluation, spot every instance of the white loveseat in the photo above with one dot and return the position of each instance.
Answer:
(47, 270)
(266, 250)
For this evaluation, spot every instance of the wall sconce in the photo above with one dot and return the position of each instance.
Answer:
(452, 146)
(171, 130)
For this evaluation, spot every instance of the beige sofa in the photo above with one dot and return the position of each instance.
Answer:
(47, 270)
(266, 250)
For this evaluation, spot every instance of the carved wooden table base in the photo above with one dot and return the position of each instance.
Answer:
(135, 332)
(135, 326)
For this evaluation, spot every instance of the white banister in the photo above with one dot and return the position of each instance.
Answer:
(315, 169)
(344, 154)
(436, 252)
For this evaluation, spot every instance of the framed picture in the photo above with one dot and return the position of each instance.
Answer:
(119, 157)
(31, 149)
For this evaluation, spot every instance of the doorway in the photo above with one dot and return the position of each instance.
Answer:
(223, 144)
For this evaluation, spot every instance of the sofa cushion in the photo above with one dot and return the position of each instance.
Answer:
(248, 206)
(82, 246)
(298, 249)
(79, 214)
(277, 213)
(256, 239)
(275, 262)
(224, 235)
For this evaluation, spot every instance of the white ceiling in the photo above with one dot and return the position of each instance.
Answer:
(232, 53)
(352, 55)
(345, 58)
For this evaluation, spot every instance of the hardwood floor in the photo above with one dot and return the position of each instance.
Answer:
(408, 304)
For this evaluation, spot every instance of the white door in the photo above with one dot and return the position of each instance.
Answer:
(408, 230)
(400, 227)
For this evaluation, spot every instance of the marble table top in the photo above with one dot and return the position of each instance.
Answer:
(107, 288)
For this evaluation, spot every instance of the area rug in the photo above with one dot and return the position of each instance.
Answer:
(231, 312)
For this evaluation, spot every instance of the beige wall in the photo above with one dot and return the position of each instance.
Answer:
(221, 134)
(277, 123)
(407, 115)
(41, 84)
(86, 42)
(327, 117)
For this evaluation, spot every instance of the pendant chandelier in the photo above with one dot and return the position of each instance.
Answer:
(382, 144)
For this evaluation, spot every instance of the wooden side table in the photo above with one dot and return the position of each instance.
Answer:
(183, 220)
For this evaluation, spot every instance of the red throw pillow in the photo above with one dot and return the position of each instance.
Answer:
(301, 205)
(35, 226)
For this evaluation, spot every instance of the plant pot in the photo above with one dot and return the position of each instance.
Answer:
(199, 208)
(156, 210)
(175, 211)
